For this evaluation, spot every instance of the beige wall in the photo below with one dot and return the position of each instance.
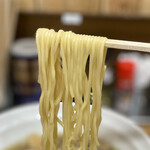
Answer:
(109, 7)
(8, 16)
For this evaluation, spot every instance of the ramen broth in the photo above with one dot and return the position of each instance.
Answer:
(33, 142)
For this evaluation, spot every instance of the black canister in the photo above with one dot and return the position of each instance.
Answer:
(24, 71)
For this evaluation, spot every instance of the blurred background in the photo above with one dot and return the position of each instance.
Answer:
(126, 87)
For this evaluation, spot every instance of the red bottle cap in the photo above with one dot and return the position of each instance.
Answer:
(125, 74)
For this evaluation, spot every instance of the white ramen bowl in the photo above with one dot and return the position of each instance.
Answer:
(18, 123)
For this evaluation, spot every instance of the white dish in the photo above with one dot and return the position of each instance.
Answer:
(18, 123)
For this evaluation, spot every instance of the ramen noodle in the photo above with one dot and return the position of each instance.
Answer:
(62, 60)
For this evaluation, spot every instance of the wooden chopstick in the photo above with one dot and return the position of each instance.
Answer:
(128, 45)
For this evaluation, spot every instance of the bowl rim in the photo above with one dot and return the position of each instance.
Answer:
(34, 106)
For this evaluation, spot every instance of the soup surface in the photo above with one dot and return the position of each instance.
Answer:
(33, 142)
